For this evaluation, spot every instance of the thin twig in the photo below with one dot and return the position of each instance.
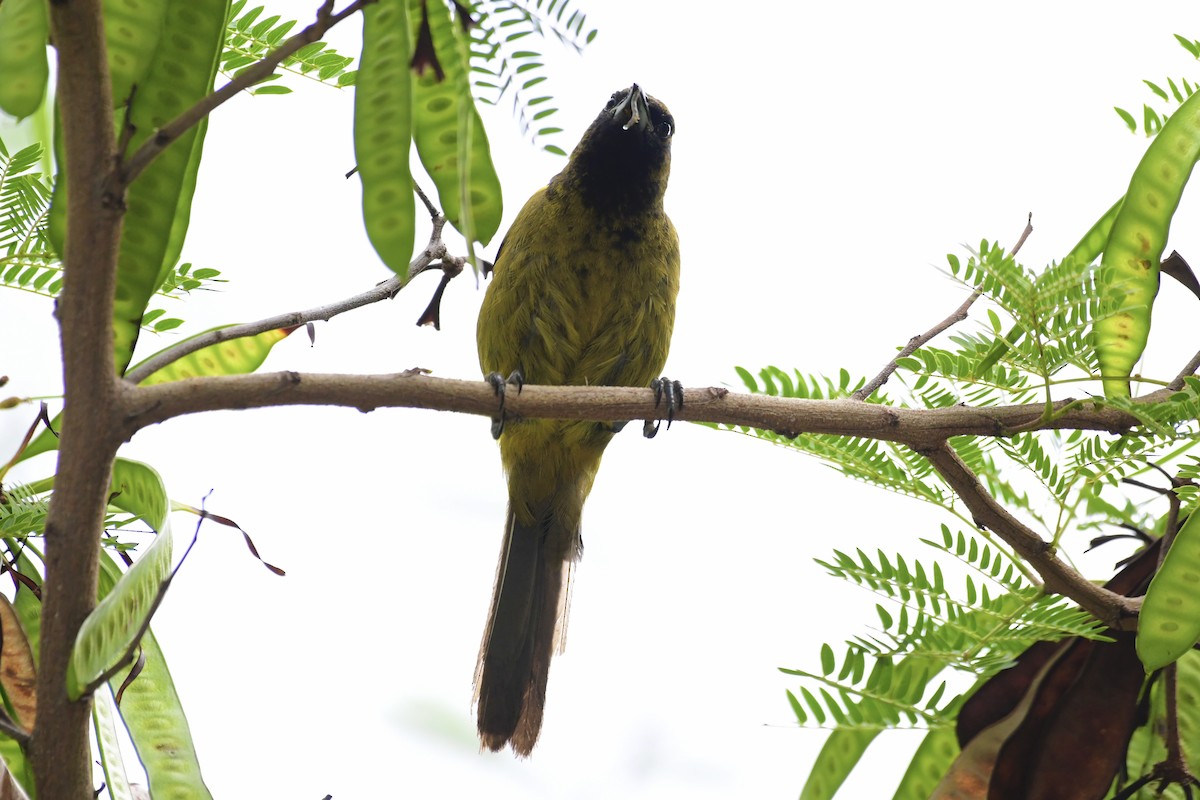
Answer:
(248, 77)
(1188, 371)
(958, 315)
(1173, 508)
(1024, 235)
(1170, 685)
(1174, 768)
(33, 426)
(433, 253)
(434, 213)
(1141, 485)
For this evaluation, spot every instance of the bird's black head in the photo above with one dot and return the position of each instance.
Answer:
(622, 162)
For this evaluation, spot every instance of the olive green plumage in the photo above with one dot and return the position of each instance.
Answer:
(583, 294)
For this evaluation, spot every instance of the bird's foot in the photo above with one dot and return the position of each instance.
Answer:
(669, 391)
(500, 386)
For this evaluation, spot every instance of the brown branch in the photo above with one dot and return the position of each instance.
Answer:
(918, 428)
(1116, 611)
(924, 430)
(433, 253)
(58, 745)
(251, 75)
(957, 316)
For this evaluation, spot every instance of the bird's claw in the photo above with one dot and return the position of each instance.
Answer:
(669, 391)
(500, 386)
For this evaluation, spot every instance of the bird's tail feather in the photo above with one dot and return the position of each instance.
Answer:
(526, 625)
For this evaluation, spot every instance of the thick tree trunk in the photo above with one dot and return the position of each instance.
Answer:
(59, 748)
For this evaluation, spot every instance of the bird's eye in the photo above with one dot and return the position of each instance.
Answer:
(612, 101)
(665, 128)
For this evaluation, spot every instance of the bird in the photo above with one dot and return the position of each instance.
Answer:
(582, 294)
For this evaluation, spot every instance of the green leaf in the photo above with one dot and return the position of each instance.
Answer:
(248, 18)
(283, 29)
(828, 661)
(265, 25)
(306, 52)
(814, 705)
(1130, 122)
(884, 617)
(1189, 45)
(797, 708)
(1175, 91)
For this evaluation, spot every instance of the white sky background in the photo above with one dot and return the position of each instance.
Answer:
(827, 157)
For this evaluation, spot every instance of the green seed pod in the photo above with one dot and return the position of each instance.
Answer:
(159, 200)
(234, 357)
(132, 30)
(24, 31)
(108, 746)
(183, 210)
(383, 132)
(153, 715)
(1169, 623)
(444, 121)
(1092, 243)
(113, 625)
(56, 217)
(1129, 270)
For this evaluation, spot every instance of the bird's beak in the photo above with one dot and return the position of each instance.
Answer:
(636, 107)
